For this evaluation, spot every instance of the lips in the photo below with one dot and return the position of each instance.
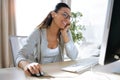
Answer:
(64, 23)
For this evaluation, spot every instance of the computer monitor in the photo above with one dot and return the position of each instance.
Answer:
(110, 47)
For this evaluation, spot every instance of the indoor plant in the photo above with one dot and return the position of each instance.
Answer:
(75, 27)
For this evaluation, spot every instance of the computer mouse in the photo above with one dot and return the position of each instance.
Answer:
(39, 74)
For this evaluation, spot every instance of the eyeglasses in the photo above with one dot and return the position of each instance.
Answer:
(66, 15)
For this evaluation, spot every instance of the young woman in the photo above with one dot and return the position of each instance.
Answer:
(48, 42)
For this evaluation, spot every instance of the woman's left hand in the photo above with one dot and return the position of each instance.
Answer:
(65, 34)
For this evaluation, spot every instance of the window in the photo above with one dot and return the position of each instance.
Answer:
(94, 13)
(30, 13)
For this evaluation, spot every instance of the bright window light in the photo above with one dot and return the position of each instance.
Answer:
(94, 14)
(30, 13)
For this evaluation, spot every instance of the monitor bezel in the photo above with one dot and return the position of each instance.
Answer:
(106, 32)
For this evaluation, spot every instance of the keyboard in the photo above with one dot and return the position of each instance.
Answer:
(82, 65)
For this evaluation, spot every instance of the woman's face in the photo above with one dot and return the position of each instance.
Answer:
(62, 17)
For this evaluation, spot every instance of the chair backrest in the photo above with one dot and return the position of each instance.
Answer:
(16, 43)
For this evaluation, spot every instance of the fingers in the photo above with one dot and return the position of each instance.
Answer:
(27, 71)
(32, 68)
(65, 30)
(36, 70)
(68, 27)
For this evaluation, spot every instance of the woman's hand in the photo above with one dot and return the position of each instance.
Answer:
(32, 68)
(65, 34)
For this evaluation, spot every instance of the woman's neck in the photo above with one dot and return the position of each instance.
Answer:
(53, 30)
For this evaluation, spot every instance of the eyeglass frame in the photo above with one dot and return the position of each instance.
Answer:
(65, 15)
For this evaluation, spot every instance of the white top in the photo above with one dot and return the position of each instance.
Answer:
(50, 55)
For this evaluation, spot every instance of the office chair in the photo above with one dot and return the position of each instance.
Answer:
(16, 43)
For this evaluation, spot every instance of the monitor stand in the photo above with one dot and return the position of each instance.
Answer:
(113, 67)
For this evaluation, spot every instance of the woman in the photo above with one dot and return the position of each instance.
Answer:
(48, 42)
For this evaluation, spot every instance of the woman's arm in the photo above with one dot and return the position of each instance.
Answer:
(26, 51)
(70, 48)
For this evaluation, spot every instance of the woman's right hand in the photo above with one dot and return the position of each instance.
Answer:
(32, 68)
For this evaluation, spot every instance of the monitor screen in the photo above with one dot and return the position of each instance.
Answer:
(110, 48)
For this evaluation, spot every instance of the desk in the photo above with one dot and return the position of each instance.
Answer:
(54, 72)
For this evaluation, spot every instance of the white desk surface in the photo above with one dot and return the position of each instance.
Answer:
(54, 72)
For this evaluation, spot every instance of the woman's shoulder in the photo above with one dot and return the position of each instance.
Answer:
(39, 30)
(35, 34)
